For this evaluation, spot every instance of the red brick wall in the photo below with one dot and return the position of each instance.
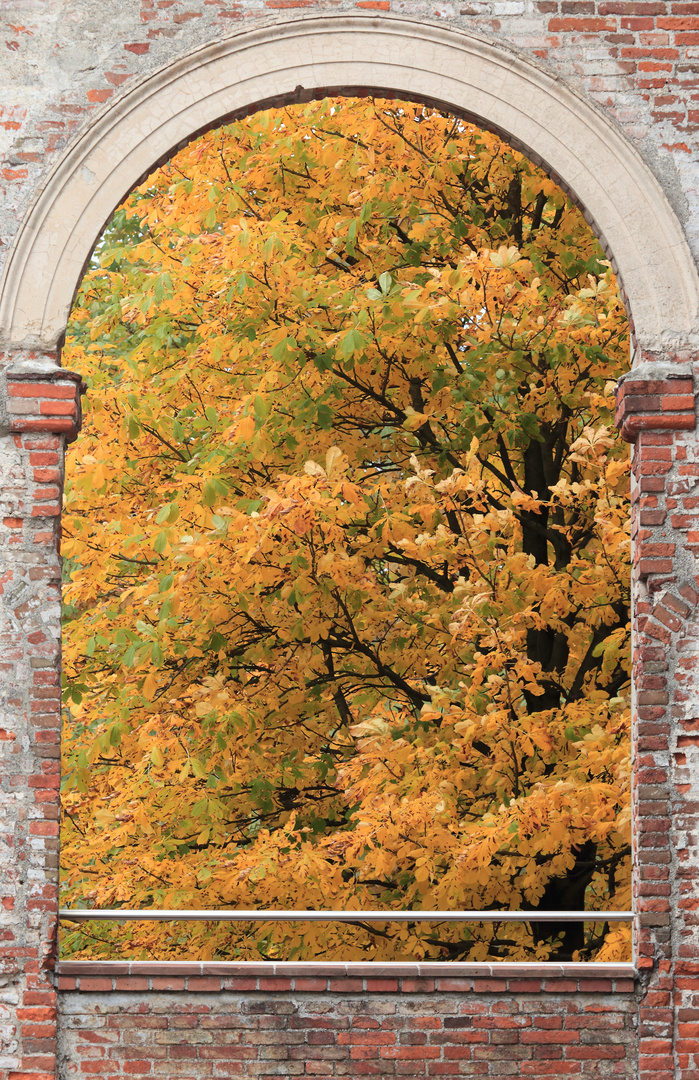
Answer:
(350, 1027)
(42, 412)
(62, 61)
(655, 411)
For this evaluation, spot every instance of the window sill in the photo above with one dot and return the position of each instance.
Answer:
(354, 977)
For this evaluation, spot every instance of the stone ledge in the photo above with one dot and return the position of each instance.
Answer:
(90, 976)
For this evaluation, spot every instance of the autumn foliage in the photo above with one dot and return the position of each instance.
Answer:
(347, 548)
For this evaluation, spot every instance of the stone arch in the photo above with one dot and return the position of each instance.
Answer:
(302, 58)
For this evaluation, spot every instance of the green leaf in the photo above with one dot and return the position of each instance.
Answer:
(283, 350)
(129, 656)
(324, 416)
(160, 543)
(352, 342)
(216, 642)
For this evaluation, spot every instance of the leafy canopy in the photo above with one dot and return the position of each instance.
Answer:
(347, 548)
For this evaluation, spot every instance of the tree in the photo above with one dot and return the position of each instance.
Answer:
(347, 547)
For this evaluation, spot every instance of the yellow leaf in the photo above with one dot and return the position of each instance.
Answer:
(150, 685)
(246, 428)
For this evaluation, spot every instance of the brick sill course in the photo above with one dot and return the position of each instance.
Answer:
(356, 977)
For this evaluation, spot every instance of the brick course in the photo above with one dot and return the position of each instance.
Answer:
(440, 1034)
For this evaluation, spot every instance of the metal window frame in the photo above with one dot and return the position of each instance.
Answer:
(129, 914)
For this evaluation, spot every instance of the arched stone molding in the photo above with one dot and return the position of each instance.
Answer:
(302, 58)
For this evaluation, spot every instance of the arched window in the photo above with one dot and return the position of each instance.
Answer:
(347, 548)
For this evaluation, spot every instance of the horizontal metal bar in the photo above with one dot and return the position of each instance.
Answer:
(85, 914)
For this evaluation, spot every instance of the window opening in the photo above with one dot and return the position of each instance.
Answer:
(347, 551)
